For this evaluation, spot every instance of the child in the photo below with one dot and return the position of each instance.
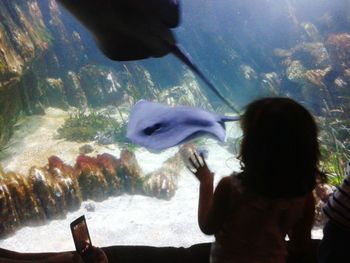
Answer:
(251, 213)
(336, 233)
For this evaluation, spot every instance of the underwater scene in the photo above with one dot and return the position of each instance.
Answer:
(69, 85)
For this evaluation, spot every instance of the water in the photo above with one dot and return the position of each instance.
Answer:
(52, 71)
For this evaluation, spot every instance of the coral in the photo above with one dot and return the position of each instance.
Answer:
(9, 216)
(315, 77)
(308, 55)
(48, 193)
(26, 205)
(248, 72)
(249, 79)
(339, 50)
(67, 179)
(295, 72)
(129, 172)
(271, 84)
(310, 83)
(162, 183)
(91, 178)
(312, 55)
(109, 165)
(51, 191)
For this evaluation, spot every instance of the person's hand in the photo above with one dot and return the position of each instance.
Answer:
(199, 168)
(63, 257)
(98, 255)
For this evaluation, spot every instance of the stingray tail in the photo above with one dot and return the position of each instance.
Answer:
(230, 118)
(179, 54)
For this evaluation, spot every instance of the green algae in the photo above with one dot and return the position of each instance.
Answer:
(82, 127)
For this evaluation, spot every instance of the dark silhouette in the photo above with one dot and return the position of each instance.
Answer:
(251, 213)
(8, 256)
(336, 233)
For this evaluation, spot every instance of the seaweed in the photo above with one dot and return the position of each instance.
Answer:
(2, 67)
(93, 125)
(131, 86)
(335, 148)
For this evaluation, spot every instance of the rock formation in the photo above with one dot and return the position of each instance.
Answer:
(53, 190)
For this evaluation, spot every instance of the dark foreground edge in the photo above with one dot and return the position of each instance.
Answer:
(198, 253)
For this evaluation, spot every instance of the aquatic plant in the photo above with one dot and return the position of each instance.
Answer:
(135, 93)
(334, 154)
(94, 125)
(335, 147)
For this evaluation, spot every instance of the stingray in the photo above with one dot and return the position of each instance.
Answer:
(135, 29)
(157, 126)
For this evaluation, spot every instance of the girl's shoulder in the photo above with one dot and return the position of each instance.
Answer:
(241, 192)
(231, 184)
(236, 182)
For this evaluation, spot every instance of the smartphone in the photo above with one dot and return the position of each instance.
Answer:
(81, 238)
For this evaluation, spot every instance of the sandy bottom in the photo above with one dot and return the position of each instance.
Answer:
(122, 220)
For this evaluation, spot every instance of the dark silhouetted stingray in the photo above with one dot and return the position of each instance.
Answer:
(157, 126)
(135, 29)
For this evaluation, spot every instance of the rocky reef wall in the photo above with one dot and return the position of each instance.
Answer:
(22, 36)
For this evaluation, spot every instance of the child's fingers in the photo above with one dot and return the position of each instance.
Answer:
(190, 169)
(203, 159)
(197, 159)
(195, 173)
(193, 163)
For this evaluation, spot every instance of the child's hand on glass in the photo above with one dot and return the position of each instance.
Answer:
(199, 168)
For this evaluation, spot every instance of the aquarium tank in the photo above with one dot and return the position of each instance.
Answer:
(65, 107)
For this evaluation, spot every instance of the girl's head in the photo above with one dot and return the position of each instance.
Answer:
(279, 151)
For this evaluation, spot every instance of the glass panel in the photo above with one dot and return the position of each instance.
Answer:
(65, 106)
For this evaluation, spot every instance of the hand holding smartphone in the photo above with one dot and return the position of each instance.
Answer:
(81, 238)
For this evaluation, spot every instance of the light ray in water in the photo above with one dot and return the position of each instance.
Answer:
(132, 30)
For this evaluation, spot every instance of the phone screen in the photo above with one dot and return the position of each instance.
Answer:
(81, 236)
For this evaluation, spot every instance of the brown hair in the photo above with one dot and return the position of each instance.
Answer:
(279, 150)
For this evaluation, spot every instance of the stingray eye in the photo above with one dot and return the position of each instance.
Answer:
(150, 130)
